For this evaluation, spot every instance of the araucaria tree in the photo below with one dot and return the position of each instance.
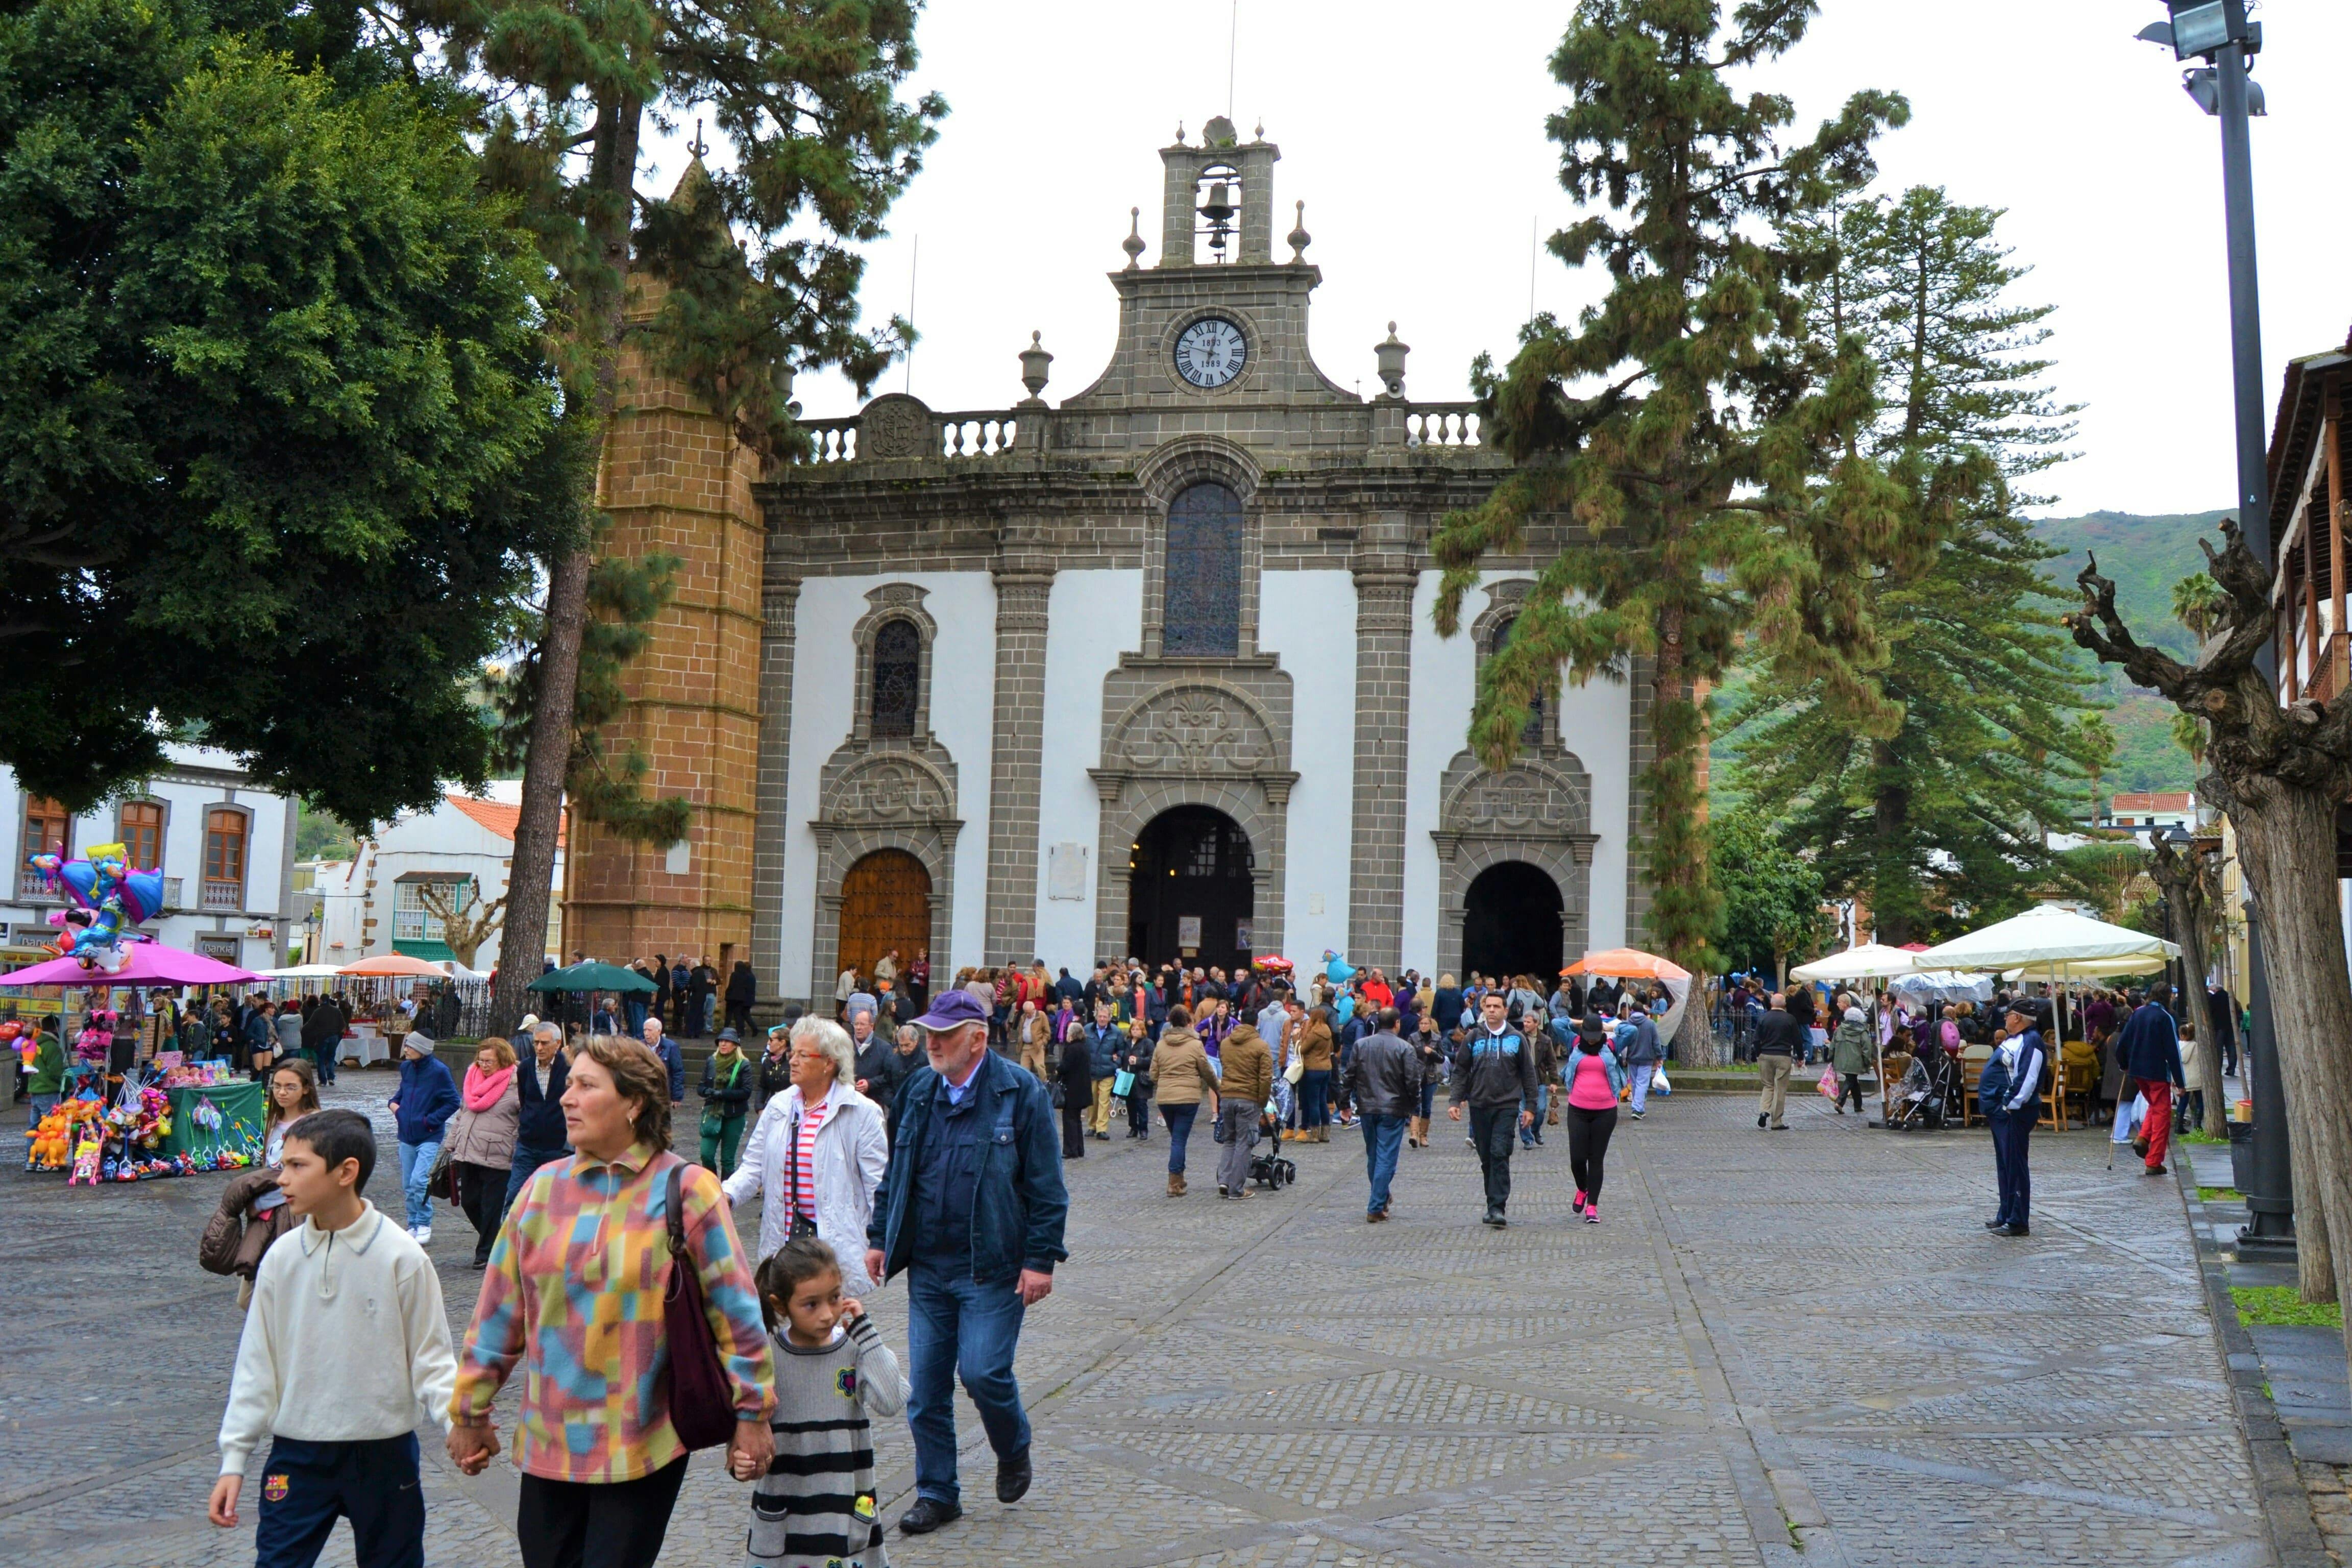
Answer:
(1688, 422)
(1941, 822)
(755, 277)
(2280, 773)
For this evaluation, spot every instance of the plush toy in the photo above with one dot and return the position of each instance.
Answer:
(52, 1146)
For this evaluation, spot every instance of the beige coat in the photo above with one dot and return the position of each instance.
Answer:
(1180, 1073)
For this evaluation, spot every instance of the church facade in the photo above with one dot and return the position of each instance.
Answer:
(1150, 669)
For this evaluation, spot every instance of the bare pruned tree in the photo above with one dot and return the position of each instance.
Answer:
(467, 925)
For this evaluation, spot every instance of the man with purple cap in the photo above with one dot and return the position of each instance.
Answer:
(970, 1211)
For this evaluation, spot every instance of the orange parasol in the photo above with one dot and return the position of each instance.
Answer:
(1628, 963)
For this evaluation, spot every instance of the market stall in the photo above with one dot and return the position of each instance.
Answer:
(1866, 960)
(1633, 963)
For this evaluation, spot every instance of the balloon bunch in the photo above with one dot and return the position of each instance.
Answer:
(107, 899)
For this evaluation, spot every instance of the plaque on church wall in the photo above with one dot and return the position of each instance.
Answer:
(1241, 934)
(1066, 872)
(1188, 932)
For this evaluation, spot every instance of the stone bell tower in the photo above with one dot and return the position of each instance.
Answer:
(675, 481)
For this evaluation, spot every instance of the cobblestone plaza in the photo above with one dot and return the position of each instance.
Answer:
(1778, 1349)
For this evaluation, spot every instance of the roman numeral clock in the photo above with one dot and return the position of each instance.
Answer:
(1210, 353)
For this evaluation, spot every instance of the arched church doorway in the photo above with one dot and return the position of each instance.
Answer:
(1190, 894)
(886, 903)
(1511, 922)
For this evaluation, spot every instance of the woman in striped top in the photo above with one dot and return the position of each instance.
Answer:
(815, 1507)
(818, 1150)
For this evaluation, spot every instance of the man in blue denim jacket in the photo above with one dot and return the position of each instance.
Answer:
(970, 1210)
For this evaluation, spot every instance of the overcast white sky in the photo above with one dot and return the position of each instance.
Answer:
(1414, 133)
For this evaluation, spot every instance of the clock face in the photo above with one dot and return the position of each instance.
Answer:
(1211, 352)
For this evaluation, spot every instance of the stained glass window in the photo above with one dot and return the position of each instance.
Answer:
(1203, 584)
(897, 677)
(1532, 734)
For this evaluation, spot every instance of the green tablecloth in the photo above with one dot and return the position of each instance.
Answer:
(242, 1109)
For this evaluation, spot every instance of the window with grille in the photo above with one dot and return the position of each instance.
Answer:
(48, 829)
(140, 829)
(897, 677)
(1531, 734)
(1202, 590)
(411, 921)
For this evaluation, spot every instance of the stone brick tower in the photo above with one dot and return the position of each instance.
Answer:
(674, 481)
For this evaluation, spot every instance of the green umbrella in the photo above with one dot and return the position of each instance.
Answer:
(591, 976)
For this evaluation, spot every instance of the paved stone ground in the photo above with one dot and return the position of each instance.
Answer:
(1779, 1349)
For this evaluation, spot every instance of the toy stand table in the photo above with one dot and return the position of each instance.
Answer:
(242, 1111)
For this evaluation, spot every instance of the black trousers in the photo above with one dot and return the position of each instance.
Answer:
(1076, 1103)
(1850, 1084)
(738, 1017)
(575, 1524)
(1494, 1129)
(482, 1194)
(1588, 1145)
(1139, 1109)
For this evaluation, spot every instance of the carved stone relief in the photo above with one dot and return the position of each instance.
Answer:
(895, 425)
(1193, 729)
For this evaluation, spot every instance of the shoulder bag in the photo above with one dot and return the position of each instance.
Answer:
(802, 1224)
(701, 1406)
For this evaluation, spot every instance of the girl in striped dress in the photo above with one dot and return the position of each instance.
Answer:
(816, 1507)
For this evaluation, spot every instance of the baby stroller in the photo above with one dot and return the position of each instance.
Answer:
(1930, 1091)
(1269, 1168)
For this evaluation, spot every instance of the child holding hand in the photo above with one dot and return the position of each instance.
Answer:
(815, 1507)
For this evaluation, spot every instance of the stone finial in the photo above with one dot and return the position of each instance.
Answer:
(1034, 361)
(1133, 243)
(1298, 238)
(1390, 357)
(1259, 134)
(1179, 133)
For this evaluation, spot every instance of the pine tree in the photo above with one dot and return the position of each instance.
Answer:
(1686, 421)
(758, 280)
(1941, 824)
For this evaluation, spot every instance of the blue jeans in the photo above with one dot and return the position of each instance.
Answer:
(40, 1106)
(1637, 1079)
(416, 1180)
(1179, 1129)
(955, 1325)
(1315, 1099)
(1384, 1136)
(526, 1160)
(1532, 1134)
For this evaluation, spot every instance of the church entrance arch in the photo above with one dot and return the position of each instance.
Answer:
(1190, 893)
(1511, 922)
(886, 903)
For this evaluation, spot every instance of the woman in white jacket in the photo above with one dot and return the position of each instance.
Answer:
(847, 1152)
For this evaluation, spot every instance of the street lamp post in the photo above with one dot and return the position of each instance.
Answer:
(2218, 32)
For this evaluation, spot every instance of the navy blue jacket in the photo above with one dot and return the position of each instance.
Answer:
(541, 1129)
(1020, 1201)
(2150, 1045)
(428, 1098)
(1104, 1044)
(668, 1051)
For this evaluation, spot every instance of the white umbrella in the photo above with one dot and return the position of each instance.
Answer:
(2047, 938)
(304, 972)
(1870, 961)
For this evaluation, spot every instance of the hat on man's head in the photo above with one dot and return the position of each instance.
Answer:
(952, 1010)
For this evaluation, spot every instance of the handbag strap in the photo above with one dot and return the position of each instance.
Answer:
(673, 1212)
(793, 1155)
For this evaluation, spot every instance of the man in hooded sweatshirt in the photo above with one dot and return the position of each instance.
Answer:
(1495, 1075)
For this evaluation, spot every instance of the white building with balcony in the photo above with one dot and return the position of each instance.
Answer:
(226, 849)
(374, 903)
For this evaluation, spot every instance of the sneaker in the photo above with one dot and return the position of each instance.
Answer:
(1576, 1204)
(1222, 1191)
(423, 1233)
(1637, 1116)
(1592, 1214)
(1241, 1193)
(2155, 1171)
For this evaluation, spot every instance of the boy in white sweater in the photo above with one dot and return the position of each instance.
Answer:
(345, 1351)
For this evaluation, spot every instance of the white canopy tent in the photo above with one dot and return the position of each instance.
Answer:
(304, 972)
(2056, 945)
(1868, 961)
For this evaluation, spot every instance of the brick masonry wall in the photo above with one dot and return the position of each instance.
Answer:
(1023, 583)
(1384, 588)
(675, 481)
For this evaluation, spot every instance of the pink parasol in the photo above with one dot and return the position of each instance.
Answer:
(152, 963)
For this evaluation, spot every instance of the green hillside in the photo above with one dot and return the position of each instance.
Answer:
(2144, 556)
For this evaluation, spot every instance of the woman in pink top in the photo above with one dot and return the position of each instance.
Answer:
(1594, 1080)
